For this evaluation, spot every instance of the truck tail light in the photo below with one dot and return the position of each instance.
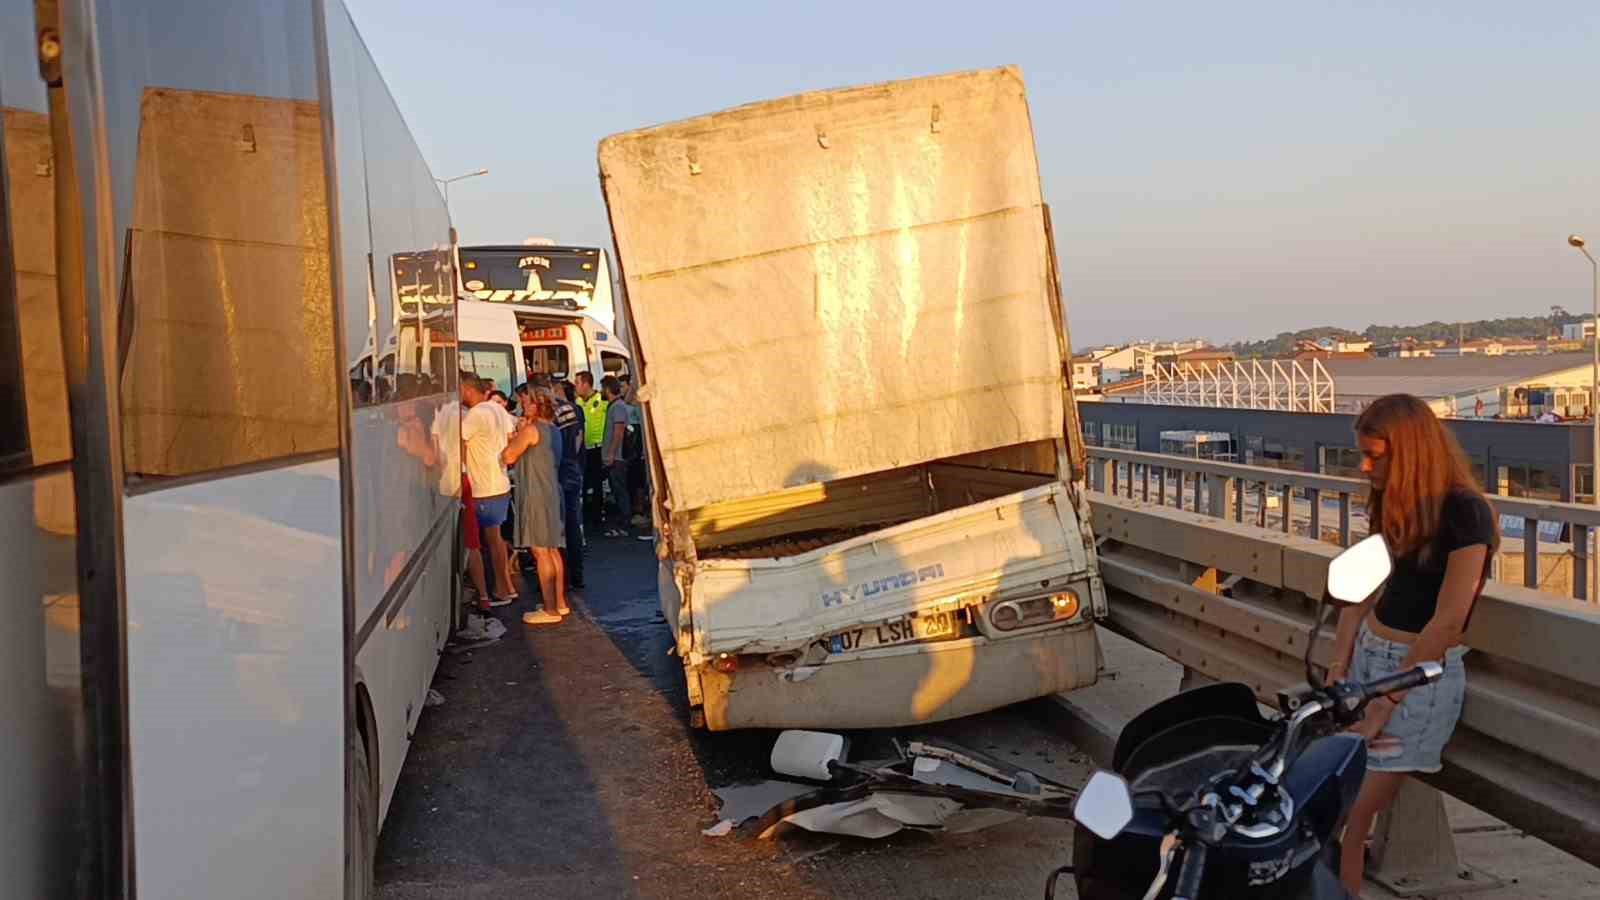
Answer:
(726, 663)
(1009, 615)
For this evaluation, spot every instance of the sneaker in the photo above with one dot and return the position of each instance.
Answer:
(647, 538)
(501, 601)
(476, 629)
(540, 617)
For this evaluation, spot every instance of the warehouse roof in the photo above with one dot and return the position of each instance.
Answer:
(1445, 376)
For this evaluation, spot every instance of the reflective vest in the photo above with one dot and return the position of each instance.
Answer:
(594, 420)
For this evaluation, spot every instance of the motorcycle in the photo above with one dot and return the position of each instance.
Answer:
(1209, 799)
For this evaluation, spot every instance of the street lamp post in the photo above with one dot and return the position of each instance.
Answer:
(446, 182)
(1594, 406)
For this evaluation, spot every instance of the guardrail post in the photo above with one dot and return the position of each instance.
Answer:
(1530, 553)
(1580, 562)
(1219, 491)
(1161, 486)
(1288, 508)
(1414, 851)
(1344, 520)
(1104, 471)
(1239, 488)
(1315, 524)
(1146, 482)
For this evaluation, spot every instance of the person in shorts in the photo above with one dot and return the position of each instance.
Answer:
(1442, 534)
(483, 438)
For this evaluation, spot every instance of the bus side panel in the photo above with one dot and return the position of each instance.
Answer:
(235, 649)
(398, 660)
(42, 705)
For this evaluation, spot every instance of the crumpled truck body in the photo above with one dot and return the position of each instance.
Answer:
(845, 318)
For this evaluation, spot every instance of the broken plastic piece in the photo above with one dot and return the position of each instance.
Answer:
(718, 830)
(807, 754)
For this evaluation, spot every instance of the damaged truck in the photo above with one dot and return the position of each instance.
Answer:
(866, 463)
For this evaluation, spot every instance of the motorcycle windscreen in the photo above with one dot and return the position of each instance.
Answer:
(1222, 702)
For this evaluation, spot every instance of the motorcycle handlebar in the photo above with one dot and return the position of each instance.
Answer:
(1191, 872)
(1426, 673)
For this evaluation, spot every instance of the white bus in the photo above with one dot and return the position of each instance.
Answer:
(559, 300)
(227, 552)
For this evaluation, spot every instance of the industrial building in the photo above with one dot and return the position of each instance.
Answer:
(1472, 386)
(1513, 458)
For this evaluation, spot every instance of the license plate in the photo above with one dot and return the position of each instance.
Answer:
(905, 630)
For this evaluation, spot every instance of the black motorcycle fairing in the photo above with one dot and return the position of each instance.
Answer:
(1175, 746)
(1224, 700)
(1325, 779)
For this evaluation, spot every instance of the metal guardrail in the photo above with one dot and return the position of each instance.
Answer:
(1152, 475)
(1233, 601)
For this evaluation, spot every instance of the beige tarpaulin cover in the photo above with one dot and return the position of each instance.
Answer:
(232, 360)
(838, 283)
(31, 181)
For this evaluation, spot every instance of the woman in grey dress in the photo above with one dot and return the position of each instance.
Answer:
(533, 451)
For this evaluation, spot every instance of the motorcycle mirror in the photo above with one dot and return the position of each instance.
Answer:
(1105, 805)
(1358, 571)
(1352, 577)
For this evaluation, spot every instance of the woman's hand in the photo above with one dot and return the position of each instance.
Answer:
(1377, 717)
(1336, 674)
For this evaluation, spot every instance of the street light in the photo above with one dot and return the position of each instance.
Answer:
(1594, 405)
(446, 182)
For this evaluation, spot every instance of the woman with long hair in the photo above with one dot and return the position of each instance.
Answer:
(1442, 534)
(534, 452)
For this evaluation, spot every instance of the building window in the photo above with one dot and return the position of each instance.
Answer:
(1122, 437)
(1526, 480)
(1271, 452)
(1583, 484)
(1091, 434)
(1213, 445)
(1344, 462)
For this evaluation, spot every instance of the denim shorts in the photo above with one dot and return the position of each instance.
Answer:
(1417, 732)
(492, 511)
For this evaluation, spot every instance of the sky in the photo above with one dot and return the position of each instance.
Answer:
(1223, 170)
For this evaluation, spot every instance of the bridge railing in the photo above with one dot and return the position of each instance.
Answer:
(1233, 601)
(1334, 510)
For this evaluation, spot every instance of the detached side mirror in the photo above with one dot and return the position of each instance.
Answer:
(1104, 806)
(1357, 572)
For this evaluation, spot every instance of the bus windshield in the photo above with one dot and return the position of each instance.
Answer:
(560, 277)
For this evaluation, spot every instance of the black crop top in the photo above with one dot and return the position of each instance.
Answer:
(1412, 594)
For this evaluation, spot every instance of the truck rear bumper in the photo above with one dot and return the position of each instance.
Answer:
(928, 683)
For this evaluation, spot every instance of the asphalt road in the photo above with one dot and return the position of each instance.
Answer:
(562, 765)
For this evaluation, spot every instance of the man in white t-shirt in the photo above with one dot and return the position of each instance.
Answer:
(447, 453)
(483, 437)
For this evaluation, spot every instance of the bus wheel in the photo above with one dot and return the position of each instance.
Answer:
(361, 837)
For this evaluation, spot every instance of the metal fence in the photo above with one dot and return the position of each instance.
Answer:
(1233, 601)
(1334, 511)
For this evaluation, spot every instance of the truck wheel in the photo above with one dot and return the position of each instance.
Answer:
(361, 835)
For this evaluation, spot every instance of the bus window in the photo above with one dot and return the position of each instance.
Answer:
(614, 363)
(13, 406)
(226, 266)
(552, 359)
(33, 385)
(491, 361)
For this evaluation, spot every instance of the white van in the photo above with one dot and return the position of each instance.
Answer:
(509, 342)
